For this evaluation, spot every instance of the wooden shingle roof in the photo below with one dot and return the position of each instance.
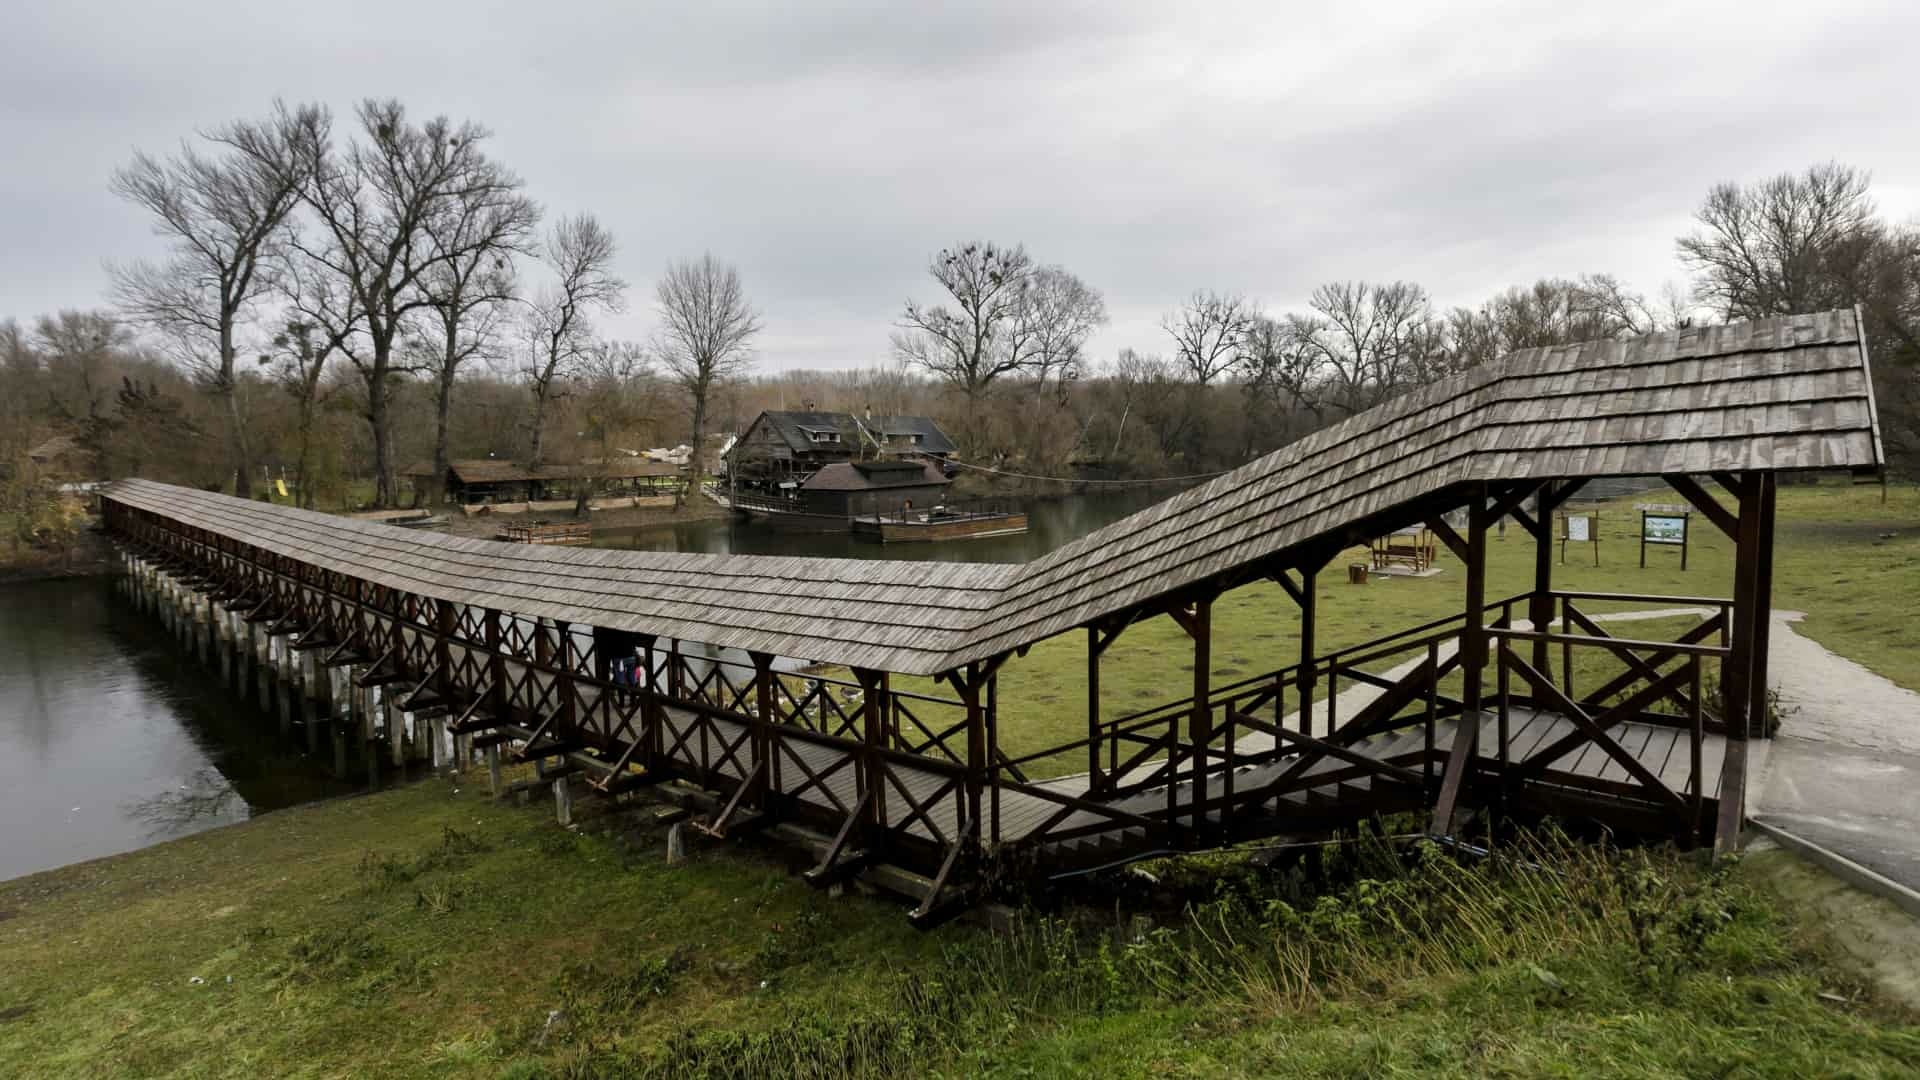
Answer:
(1790, 393)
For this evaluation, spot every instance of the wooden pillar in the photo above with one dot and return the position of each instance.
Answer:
(1097, 645)
(1540, 603)
(975, 683)
(1743, 672)
(1473, 659)
(1200, 727)
(1757, 696)
(1309, 613)
(1473, 641)
(1094, 782)
(763, 751)
(496, 667)
(873, 738)
(653, 715)
(992, 721)
(1736, 668)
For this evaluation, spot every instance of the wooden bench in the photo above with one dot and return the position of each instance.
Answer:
(1412, 548)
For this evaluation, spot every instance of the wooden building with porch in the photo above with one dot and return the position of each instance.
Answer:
(787, 447)
(696, 677)
(487, 480)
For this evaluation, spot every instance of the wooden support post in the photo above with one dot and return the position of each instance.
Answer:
(1094, 781)
(569, 701)
(1309, 614)
(562, 800)
(993, 751)
(1473, 662)
(763, 754)
(493, 769)
(1739, 667)
(653, 714)
(493, 635)
(1735, 671)
(1540, 602)
(873, 737)
(1200, 730)
(977, 675)
(1758, 697)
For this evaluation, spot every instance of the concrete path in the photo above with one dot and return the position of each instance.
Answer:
(1844, 771)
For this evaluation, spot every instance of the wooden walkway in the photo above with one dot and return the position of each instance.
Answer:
(1662, 749)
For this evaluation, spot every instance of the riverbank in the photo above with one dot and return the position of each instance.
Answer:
(88, 555)
(429, 931)
(621, 519)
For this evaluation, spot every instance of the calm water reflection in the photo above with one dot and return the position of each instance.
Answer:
(1051, 522)
(112, 739)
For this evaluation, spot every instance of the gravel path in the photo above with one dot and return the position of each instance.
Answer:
(1844, 771)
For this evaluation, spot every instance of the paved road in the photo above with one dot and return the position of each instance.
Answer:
(1844, 771)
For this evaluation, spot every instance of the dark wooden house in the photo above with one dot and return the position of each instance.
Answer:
(855, 487)
(787, 447)
(488, 480)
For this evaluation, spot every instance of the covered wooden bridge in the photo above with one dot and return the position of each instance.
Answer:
(701, 672)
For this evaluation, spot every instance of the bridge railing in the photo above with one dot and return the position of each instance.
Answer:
(1199, 758)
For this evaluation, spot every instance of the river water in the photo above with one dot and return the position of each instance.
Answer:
(1051, 522)
(112, 738)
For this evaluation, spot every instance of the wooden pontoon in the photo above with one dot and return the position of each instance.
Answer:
(560, 533)
(592, 660)
(898, 521)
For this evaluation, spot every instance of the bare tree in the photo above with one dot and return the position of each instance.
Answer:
(558, 326)
(1206, 333)
(967, 347)
(1284, 366)
(1782, 246)
(1552, 311)
(706, 337)
(618, 394)
(298, 360)
(473, 239)
(373, 201)
(1372, 340)
(1057, 313)
(222, 217)
(1009, 315)
(78, 349)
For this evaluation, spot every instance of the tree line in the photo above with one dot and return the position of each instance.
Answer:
(355, 270)
(335, 306)
(1233, 380)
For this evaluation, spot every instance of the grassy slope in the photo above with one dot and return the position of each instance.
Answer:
(361, 939)
(359, 933)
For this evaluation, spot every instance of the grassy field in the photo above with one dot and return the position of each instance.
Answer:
(1833, 560)
(424, 932)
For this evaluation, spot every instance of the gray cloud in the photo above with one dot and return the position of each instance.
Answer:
(828, 150)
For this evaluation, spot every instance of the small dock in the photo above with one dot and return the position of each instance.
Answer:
(562, 534)
(938, 524)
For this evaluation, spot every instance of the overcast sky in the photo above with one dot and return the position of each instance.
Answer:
(1152, 148)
